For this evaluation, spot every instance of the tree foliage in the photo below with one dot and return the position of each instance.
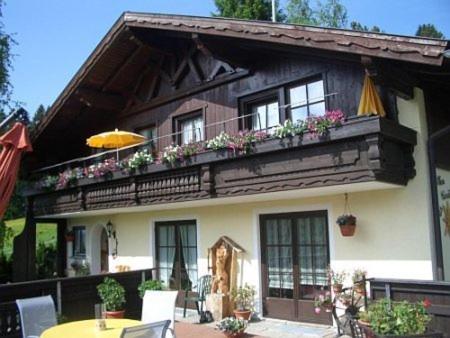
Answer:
(330, 13)
(356, 26)
(6, 56)
(300, 12)
(247, 9)
(430, 31)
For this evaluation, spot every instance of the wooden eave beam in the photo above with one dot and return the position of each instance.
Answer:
(101, 100)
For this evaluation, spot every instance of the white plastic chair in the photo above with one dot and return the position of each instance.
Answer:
(153, 330)
(159, 306)
(36, 315)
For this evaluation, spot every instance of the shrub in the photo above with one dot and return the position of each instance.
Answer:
(156, 285)
(398, 318)
(112, 294)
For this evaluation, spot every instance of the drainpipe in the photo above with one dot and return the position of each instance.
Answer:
(435, 201)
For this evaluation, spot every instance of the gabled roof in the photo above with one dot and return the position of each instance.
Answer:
(400, 48)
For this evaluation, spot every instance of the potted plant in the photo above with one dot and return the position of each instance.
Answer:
(337, 280)
(358, 278)
(112, 295)
(70, 236)
(323, 300)
(155, 285)
(243, 298)
(347, 224)
(387, 318)
(232, 327)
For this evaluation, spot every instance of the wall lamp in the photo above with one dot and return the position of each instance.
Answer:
(113, 236)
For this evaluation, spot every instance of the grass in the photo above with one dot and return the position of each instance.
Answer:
(45, 232)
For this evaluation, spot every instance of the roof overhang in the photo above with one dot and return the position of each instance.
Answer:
(417, 50)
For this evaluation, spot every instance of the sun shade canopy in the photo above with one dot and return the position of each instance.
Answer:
(114, 139)
(14, 142)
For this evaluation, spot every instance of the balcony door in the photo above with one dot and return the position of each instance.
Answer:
(295, 256)
(176, 253)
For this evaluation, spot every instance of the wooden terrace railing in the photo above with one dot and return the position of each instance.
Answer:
(74, 297)
(438, 293)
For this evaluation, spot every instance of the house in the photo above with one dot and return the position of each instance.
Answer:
(181, 80)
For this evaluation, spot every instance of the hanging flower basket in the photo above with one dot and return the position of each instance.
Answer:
(347, 222)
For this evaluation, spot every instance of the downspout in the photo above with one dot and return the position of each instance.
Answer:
(439, 275)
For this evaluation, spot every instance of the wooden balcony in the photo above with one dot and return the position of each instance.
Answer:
(362, 150)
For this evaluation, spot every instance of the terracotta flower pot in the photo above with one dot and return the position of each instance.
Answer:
(70, 238)
(239, 334)
(244, 314)
(115, 314)
(359, 288)
(328, 307)
(337, 288)
(347, 230)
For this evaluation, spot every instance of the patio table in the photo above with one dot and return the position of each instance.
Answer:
(86, 329)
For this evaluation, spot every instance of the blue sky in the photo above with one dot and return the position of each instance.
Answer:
(56, 36)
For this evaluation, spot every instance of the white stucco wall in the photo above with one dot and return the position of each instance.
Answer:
(393, 229)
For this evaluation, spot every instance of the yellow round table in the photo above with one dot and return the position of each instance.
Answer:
(86, 329)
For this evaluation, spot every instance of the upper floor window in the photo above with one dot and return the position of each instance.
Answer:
(306, 100)
(150, 133)
(79, 243)
(265, 114)
(190, 129)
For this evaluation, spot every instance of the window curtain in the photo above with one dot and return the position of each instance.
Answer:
(198, 129)
(188, 247)
(167, 262)
(279, 253)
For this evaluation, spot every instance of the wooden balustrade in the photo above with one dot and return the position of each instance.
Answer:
(74, 297)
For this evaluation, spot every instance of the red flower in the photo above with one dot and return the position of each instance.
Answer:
(426, 303)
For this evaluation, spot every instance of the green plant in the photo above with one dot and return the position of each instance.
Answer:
(323, 299)
(150, 285)
(46, 260)
(219, 142)
(112, 294)
(232, 325)
(346, 220)
(139, 159)
(337, 277)
(358, 275)
(81, 268)
(398, 318)
(244, 296)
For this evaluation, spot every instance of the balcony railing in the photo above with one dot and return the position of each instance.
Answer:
(360, 150)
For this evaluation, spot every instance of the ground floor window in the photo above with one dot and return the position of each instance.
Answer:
(79, 243)
(176, 253)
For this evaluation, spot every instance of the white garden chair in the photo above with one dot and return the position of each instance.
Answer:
(36, 315)
(160, 306)
(153, 330)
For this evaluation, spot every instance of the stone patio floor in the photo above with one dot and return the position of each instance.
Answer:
(267, 328)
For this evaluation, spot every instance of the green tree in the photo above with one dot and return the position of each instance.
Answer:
(332, 14)
(248, 9)
(300, 12)
(6, 42)
(430, 31)
(356, 26)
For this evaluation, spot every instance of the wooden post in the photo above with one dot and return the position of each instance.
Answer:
(58, 297)
(24, 249)
(61, 247)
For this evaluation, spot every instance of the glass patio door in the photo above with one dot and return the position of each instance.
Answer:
(176, 253)
(295, 256)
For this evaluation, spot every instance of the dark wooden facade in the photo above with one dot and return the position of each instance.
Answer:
(151, 69)
(362, 150)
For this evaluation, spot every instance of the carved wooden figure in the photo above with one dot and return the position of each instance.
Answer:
(221, 277)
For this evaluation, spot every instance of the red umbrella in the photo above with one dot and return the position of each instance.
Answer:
(14, 142)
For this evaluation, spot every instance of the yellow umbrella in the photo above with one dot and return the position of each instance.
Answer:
(370, 103)
(114, 139)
